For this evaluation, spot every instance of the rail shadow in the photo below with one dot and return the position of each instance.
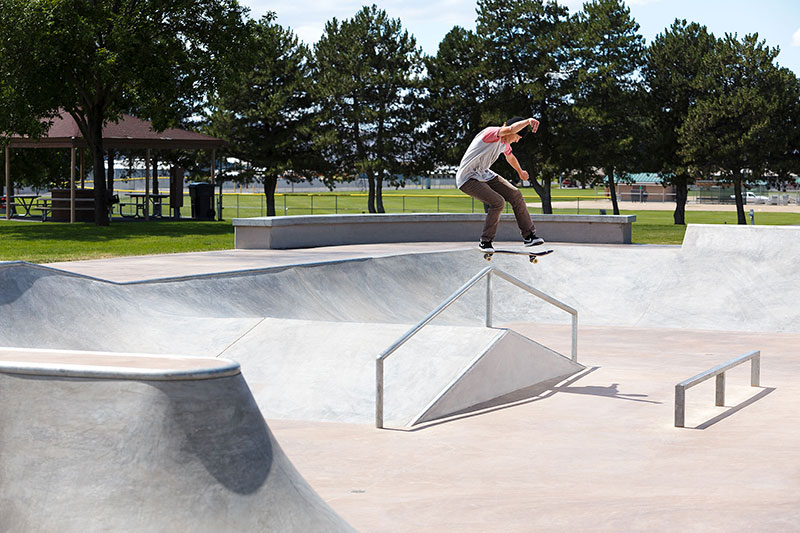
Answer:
(736, 408)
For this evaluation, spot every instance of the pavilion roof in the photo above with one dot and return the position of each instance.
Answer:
(128, 133)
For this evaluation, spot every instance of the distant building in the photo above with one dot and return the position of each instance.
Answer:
(645, 187)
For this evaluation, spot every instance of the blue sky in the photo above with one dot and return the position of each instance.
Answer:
(776, 21)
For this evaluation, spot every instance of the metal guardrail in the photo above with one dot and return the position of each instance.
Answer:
(719, 372)
(485, 273)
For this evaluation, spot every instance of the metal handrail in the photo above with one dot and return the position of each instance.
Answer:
(719, 372)
(485, 273)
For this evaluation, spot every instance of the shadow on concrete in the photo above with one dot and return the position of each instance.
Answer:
(223, 428)
(735, 409)
(611, 391)
(538, 392)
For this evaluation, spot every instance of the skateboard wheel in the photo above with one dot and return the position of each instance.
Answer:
(488, 257)
(533, 260)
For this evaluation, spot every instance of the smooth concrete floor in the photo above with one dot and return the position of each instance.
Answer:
(596, 453)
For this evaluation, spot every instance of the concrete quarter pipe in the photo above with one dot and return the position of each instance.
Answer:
(120, 442)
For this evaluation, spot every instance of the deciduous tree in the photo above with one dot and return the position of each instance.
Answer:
(740, 127)
(95, 59)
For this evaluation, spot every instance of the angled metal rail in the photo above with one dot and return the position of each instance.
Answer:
(487, 273)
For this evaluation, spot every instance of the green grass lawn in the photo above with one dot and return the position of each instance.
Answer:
(39, 242)
(657, 227)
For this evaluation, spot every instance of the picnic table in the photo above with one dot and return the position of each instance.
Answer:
(27, 201)
(155, 198)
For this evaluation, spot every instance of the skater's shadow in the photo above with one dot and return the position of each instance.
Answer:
(611, 391)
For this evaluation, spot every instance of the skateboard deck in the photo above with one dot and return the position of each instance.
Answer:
(533, 257)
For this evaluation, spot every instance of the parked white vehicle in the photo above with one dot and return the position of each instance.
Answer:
(751, 198)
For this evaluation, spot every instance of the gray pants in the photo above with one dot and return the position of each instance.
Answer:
(494, 193)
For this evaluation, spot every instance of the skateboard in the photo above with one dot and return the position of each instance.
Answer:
(533, 257)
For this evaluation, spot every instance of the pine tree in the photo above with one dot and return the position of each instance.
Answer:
(265, 113)
(367, 72)
(457, 89)
(607, 100)
(675, 60)
(528, 55)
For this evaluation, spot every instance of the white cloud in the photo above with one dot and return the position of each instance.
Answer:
(427, 20)
(796, 38)
(408, 11)
(573, 5)
(309, 33)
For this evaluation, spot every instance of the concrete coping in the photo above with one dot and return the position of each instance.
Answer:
(295, 220)
(113, 365)
(307, 231)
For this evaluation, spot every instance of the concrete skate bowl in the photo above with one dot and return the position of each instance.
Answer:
(307, 336)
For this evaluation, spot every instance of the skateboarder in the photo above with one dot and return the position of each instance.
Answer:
(476, 179)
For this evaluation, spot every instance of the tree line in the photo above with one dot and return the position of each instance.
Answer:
(365, 101)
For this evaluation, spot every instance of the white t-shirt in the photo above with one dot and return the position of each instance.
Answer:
(483, 151)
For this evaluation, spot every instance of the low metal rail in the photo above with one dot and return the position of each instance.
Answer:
(719, 372)
(485, 273)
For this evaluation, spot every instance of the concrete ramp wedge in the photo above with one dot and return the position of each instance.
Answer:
(128, 442)
(510, 364)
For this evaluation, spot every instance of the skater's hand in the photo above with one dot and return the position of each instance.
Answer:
(524, 175)
(534, 124)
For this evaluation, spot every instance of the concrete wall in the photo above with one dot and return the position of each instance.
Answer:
(329, 230)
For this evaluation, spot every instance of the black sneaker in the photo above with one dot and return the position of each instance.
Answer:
(485, 246)
(532, 240)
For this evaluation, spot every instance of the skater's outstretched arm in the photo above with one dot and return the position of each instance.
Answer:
(512, 160)
(518, 126)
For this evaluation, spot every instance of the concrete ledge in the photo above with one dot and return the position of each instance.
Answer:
(304, 231)
(113, 365)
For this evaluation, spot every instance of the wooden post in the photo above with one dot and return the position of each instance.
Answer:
(147, 186)
(82, 171)
(213, 194)
(72, 183)
(8, 183)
